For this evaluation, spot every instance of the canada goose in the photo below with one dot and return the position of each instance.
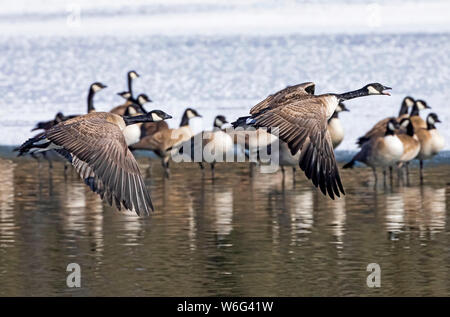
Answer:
(302, 123)
(210, 146)
(93, 89)
(95, 145)
(335, 127)
(161, 141)
(131, 106)
(411, 144)
(380, 127)
(431, 141)
(416, 120)
(59, 117)
(382, 151)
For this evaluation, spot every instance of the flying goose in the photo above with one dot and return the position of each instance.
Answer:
(210, 146)
(411, 144)
(95, 145)
(431, 141)
(253, 141)
(335, 127)
(162, 141)
(302, 123)
(380, 127)
(382, 151)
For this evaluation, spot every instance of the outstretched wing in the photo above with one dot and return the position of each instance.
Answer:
(284, 96)
(98, 151)
(303, 126)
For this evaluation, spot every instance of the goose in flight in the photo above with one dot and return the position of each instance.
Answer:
(301, 119)
(95, 145)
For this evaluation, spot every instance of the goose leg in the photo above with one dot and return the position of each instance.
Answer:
(390, 175)
(375, 175)
(283, 173)
(407, 173)
(384, 176)
(50, 163)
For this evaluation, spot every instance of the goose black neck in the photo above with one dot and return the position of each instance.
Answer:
(352, 94)
(414, 111)
(136, 119)
(184, 120)
(430, 126)
(403, 109)
(90, 100)
(410, 129)
(389, 132)
(130, 89)
(334, 115)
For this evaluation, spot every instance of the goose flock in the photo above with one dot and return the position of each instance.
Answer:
(302, 128)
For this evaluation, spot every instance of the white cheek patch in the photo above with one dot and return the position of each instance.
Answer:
(431, 120)
(391, 126)
(190, 114)
(142, 100)
(132, 111)
(155, 117)
(420, 105)
(96, 88)
(218, 123)
(373, 91)
(409, 103)
(405, 124)
(133, 75)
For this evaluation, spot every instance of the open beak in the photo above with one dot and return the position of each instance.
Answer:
(385, 92)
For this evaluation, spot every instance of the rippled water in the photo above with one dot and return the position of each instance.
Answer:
(232, 236)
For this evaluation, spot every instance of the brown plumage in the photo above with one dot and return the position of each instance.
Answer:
(164, 139)
(302, 122)
(285, 96)
(96, 147)
(380, 127)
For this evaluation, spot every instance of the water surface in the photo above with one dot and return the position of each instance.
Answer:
(234, 236)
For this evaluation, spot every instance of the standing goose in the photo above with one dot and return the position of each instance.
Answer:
(411, 144)
(382, 151)
(95, 145)
(129, 97)
(335, 127)
(302, 124)
(162, 141)
(210, 146)
(379, 128)
(416, 120)
(93, 88)
(431, 141)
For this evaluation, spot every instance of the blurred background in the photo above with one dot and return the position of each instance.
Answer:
(219, 56)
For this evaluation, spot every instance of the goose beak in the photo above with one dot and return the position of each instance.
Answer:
(167, 116)
(437, 120)
(385, 92)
